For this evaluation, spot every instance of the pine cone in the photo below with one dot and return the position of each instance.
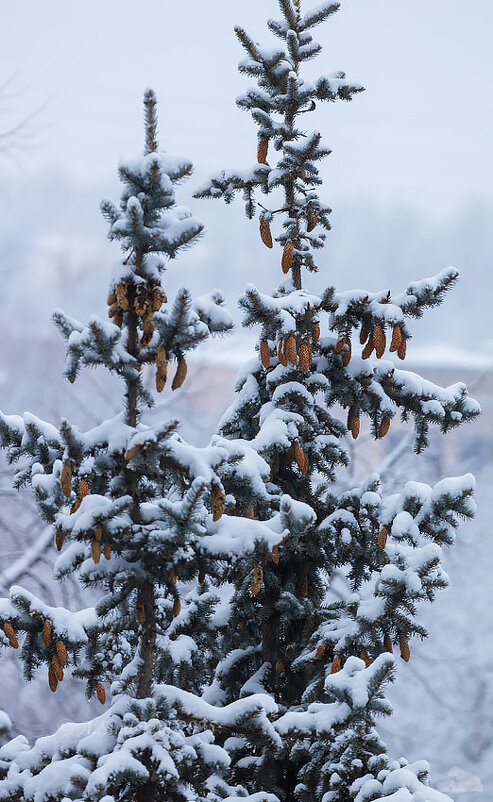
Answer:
(250, 513)
(264, 354)
(107, 551)
(384, 426)
(320, 651)
(346, 356)
(160, 381)
(336, 665)
(101, 693)
(290, 350)
(140, 613)
(176, 607)
(201, 577)
(265, 233)
(276, 555)
(96, 551)
(401, 351)
(368, 349)
(355, 427)
(315, 332)
(111, 298)
(46, 632)
(61, 653)
(313, 220)
(180, 375)
(341, 342)
(351, 415)
(172, 575)
(275, 465)
(299, 456)
(66, 479)
(379, 341)
(218, 503)
(364, 333)
(57, 669)
(387, 643)
(281, 355)
(52, 680)
(404, 647)
(75, 506)
(98, 531)
(121, 296)
(59, 539)
(257, 579)
(366, 657)
(287, 256)
(83, 489)
(396, 338)
(280, 666)
(262, 149)
(305, 357)
(9, 632)
(158, 299)
(382, 537)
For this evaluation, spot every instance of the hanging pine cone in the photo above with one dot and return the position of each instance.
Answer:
(281, 354)
(250, 513)
(264, 354)
(315, 332)
(313, 220)
(305, 357)
(405, 650)
(368, 349)
(299, 456)
(336, 665)
(180, 375)
(10, 634)
(96, 550)
(98, 531)
(57, 669)
(161, 368)
(52, 680)
(364, 333)
(66, 478)
(287, 256)
(83, 489)
(176, 607)
(341, 342)
(201, 577)
(401, 351)
(382, 537)
(218, 503)
(365, 657)
(396, 338)
(172, 575)
(379, 341)
(46, 632)
(121, 296)
(346, 356)
(387, 643)
(59, 539)
(276, 555)
(351, 415)
(101, 693)
(320, 651)
(290, 350)
(61, 653)
(111, 298)
(262, 149)
(384, 426)
(158, 299)
(265, 233)
(107, 551)
(355, 427)
(75, 506)
(257, 580)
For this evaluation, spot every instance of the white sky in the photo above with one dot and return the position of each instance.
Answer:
(420, 134)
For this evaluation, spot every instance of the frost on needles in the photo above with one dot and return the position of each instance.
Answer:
(325, 657)
(139, 516)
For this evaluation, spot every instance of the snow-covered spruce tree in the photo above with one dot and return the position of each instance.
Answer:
(291, 630)
(137, 514)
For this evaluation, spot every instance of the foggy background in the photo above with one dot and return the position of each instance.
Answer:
(410, 182)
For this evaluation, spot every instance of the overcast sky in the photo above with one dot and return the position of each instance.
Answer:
(420, 135)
